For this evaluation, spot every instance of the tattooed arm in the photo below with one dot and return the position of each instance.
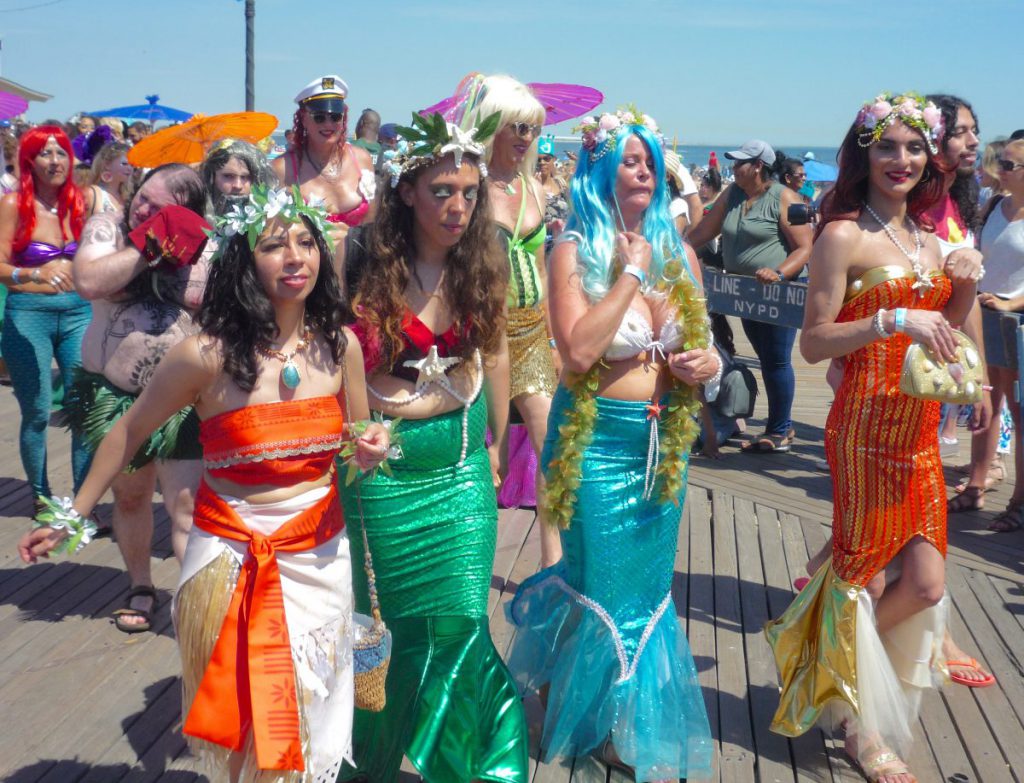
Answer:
(103, 265)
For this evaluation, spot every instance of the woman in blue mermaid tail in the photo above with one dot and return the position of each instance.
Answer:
(600, 628)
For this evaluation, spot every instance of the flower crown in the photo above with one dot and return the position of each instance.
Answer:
(599, 134)
(911, 109)
(430, 138)
(265, 204)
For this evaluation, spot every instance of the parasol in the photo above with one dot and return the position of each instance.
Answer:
(151, 112)
(11, 105)
(819, 172)
(190, 141)
(561, 101)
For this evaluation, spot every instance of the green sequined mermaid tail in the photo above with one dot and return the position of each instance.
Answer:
(452, 706)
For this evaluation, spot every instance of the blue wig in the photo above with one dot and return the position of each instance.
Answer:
(595, 215)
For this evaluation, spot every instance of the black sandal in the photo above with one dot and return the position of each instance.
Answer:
(1010, 521)
(128, 611)
(768, 444)
(970, 499)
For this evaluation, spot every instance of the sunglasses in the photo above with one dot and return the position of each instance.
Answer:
(525, 128)
(320, 117)
(1009, 165)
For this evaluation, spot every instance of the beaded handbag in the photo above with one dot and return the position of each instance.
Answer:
(371, 645)
(927, 377)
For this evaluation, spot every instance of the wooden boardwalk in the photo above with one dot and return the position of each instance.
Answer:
(82, 702)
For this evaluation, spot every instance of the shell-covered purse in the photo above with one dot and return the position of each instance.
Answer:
(928, 377)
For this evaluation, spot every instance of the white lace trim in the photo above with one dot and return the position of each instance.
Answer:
(626, 668)
(286, 448)
(367, 186)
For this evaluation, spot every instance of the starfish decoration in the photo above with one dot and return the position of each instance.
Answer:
(461, 141)
(432, 368)
(654, 410)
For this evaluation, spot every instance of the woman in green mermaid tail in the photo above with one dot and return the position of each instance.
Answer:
(431, 318)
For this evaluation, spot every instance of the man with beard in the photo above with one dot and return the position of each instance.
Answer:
(144, 281)
(229, 172)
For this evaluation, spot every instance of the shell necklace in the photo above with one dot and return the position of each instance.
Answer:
(290, 376)
(923, 282)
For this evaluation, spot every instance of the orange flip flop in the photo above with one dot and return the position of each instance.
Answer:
(970, 663)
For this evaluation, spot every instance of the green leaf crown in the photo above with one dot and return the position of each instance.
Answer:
(431, 137)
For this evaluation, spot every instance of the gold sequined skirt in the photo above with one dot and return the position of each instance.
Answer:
(531, 366)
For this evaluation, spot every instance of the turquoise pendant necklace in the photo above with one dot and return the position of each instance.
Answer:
(290, 376)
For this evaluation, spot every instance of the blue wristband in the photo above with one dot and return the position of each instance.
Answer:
(14, 276)
(901, 319)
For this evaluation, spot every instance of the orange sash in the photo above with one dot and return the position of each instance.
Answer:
(250, 679)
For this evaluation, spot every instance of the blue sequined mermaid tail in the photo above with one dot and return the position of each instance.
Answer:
(452, 706)
(601, 626)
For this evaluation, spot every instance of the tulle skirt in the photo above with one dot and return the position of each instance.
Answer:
(600, 626)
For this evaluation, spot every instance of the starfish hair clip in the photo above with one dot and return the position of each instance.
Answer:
(430, 137)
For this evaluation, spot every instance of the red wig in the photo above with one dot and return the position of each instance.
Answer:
(846, 199)
(70, 203)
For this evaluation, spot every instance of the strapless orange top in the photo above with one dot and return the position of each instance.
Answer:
(278, 443)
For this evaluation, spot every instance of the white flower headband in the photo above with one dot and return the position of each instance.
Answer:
(599, 133)
(264, 205)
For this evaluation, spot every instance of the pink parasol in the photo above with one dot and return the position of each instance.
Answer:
(11, 105)
(561, 101)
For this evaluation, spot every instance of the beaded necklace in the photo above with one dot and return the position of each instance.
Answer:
(923, 282)
(290, 376)
(433, 371)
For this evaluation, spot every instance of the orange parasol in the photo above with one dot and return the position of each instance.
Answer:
(190, 141)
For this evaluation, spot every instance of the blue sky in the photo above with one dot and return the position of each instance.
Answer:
(719, 71)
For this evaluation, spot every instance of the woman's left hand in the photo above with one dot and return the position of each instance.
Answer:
(372, 446)
(499, 467)
(695, 366)
(993, 302)
(963, 266)
(765, 275)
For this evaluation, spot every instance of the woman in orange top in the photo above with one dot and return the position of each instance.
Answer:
(866, 631)
(264, 607)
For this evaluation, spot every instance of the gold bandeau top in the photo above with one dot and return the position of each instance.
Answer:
(878, 275)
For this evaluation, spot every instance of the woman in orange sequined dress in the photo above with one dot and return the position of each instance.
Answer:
(865, 633)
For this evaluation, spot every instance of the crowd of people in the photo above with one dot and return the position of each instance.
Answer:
(317, 358)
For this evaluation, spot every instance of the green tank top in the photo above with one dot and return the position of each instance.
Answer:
(524, 284)
(753, 240)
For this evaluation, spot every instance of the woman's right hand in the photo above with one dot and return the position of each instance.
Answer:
(633, 249)
(39, 542)
(57, 275)
(933, 330)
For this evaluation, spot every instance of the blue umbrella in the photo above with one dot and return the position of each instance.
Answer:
(819, 172)
(150, 112)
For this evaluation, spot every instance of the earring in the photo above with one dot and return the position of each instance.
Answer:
(927, 174)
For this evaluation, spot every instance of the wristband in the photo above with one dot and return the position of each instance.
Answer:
(782, 277)
(901, 319)
(713, 384)
(552, 343)
(878, 323)
(637, 272)
(14, 275)
(36, 275)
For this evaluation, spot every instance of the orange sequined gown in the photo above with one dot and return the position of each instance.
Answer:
(882, 448)
(882, 445)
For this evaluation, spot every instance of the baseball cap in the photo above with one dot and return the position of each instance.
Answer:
(755, 149)
(327, 93)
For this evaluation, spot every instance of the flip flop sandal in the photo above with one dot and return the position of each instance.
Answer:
(768, 444)
(128, 611)
(970, 663)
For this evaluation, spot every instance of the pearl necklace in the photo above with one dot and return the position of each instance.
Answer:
(914, 258)
(433, 370)
(290, 376)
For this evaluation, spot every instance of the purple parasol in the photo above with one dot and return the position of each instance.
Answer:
(561, 101)
(11, 105)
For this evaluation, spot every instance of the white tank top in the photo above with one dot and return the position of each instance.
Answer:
(1002, 245)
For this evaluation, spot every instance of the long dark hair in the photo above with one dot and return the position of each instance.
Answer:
(475, 276)
(237, 311)
(964, 190)
(846, 199)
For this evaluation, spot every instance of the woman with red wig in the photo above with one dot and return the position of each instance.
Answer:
(44, 317)
(865, 633)
(322, 162)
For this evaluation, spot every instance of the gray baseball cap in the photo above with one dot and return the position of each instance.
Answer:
(755, 149)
